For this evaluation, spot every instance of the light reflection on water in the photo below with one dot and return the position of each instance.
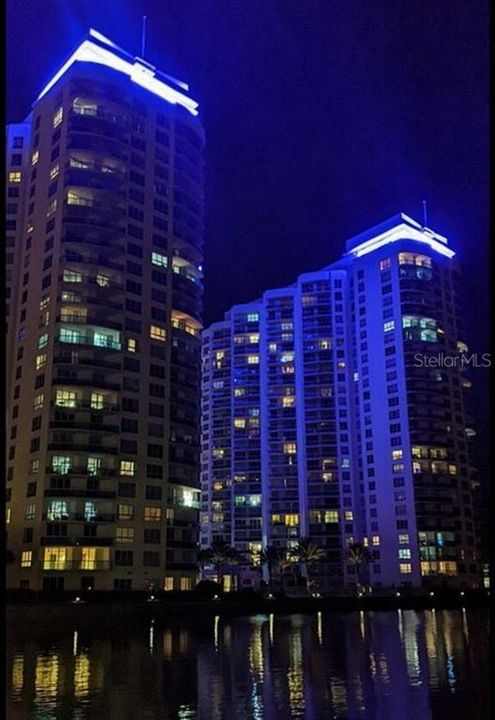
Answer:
(402, 665)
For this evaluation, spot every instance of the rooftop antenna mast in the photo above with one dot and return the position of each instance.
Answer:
(425, 214)
(143, 38)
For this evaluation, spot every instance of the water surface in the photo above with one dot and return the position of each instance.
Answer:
(402, 665)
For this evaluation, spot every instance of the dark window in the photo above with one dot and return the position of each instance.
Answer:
(127, 489)
(124, 557)
(153, 492)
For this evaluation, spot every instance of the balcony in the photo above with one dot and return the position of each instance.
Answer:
(68, 565)
(86, 405)
(75, 447)
(92, 494)
(101, 261)
(89, 319)
(91, 427)
(107, 243)
(61, 379)
(95, 361)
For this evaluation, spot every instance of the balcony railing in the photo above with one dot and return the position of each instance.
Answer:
(86, 565)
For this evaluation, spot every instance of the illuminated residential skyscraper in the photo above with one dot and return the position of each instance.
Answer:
(328, 412)
(104, 315)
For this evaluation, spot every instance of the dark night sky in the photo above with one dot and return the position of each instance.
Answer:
(323, 117)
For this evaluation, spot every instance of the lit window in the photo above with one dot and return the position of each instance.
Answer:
(125, 512)
(124, 534)
(217, 486)
(97, 401)
(287, 357)
(34, 467)
(72, 276)
(43, 341)
(404, 554)
(325, 344)
(58, 117)
(30, 512)
(375, 539)
(398, 468)
(397, 454)
(84, 107)
(56, 558)
(331, 516)
(168, 584)
(348, 515)
(26, 558)
(40, 361)
(288, 401)
(102, 280)
(239, 423)
(185, 583)
(388, 326)
(218, 452)
(404, 539)
(272, 347)
(452, 469)
(411, 259)
(61, 464)
(54, 171)
(51, 208)
(152, 514)
(327, 477)
(158, 333)
(131, 345)
(159, 260)
(127, 467)
(218, 384)
(254, 338)
(290, 448)
(405, 568)
(252, 317)
(385, 264)
(8, 513)
(66, 398)
(89, 510)
(35, 157)
(292, 519)
(94, 465)
(57, 510)
(15, 177)
(238, 392)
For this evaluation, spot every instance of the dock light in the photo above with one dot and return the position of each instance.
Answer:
(270, 596)
(462, 593)
(432, 593)
(78, 599)
(397, 594)
(215, 597)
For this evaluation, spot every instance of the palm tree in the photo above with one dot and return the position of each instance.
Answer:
(359, 556)
(221, 555)
(275, 559)
(309, 554)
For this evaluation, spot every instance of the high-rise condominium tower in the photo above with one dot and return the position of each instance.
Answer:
(334, 409)
(104, 252)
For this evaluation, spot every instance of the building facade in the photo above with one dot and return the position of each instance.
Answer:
(104, 268)
(334, 409)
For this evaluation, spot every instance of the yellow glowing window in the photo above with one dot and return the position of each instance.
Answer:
(292, 519)
(35, 157)
(397, 454)
(452, 469)
(131, 345)
(186, 583)
(219, 355)
(127, 467)
(405, 568)
(168, 584)
(58, 117)
(217, 486)
(254, 338)
(331, 516)
(348, 515)
(239, 423)
(290, 448)
(404, 539)
(218, 452)
(253, 359)
(94, 558)
(8, 512)
(97, 401)
(314, 516)
(325, 344)
(15, 177)
(56, 558)
(54, 171)
(124, 534)
(327, 477)
(238, 392)
(217, 517)
(375, 539)
(276, 519)
(158, 333)
(40, 361)
(102, 280)
(152, 514)
(288, 401)
(125, 512)
(26, 558)
(66, 398)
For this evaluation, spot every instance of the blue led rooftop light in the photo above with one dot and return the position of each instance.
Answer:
(138, 70)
